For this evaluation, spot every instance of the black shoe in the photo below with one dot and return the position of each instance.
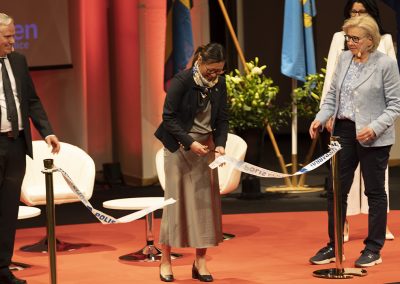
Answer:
(9, 278)
(324, 256)
(368, 258)
(202, 278)
(166, 278)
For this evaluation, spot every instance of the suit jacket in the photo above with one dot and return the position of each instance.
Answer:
(31, 107)
(180, 108)
(376, 96)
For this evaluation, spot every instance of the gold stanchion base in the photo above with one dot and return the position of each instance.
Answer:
(293, 189)
(334, 273)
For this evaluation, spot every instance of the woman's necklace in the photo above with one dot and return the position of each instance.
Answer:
(205, 93)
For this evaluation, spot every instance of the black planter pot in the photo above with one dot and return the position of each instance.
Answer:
(251, 188)
(254, 138)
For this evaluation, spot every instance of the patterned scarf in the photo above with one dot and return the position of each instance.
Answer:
(200, 80)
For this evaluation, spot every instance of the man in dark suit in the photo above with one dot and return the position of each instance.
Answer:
(18, 103)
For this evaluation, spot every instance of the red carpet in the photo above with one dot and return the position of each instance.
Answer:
(268, 248)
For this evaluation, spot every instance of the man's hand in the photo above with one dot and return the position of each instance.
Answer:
(53, 142)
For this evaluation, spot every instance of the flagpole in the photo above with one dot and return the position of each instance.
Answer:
(294, 133)
(297, 56)
(243, 60)
(233, 34)
(308, 160)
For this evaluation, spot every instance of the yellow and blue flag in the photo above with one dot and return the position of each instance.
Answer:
(298, 55)
(179, 38)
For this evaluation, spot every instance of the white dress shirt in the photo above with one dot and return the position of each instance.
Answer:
(5, 123)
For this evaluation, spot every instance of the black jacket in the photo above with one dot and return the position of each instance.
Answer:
(180, 108)
(31, 107)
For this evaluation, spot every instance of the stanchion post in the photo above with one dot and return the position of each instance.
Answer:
(339, 272)
(337, 210)
(51, 235)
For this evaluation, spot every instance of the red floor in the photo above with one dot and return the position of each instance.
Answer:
(268, 248)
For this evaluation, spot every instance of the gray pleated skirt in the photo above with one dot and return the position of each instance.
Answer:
(195, 219)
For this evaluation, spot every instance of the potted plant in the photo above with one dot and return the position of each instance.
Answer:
(250, 98)
(308, 96)
(308, 99)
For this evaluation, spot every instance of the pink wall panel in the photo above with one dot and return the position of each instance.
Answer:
(96, 51)
(126, 86)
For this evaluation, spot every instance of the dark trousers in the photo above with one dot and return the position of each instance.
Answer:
(12, 171)
(373, 163)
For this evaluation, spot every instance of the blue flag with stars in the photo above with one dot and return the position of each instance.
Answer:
(179, 38)
(298, 55)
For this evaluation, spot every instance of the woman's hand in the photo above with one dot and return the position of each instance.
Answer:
(315, 125)
(329, 125)
(366, 135)
(219, 151)
(199, 149)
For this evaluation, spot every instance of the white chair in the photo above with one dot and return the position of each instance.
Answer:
(229, 178)
(24, 212)
(149, 253)
(79, 166)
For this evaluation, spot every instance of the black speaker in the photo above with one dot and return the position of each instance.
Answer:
(251, 188)
(112, 173)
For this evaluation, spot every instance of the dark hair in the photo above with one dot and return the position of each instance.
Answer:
(210, 53)
(372, 10)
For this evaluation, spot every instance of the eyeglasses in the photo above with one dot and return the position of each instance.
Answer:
(354, 39)
(359, 12)
(214, 71)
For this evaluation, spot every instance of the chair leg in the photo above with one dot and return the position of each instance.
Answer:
(18, 266)
(41, 246)
(228, 236)
(149, 252)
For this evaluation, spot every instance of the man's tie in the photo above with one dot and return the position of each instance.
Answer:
(12, 114)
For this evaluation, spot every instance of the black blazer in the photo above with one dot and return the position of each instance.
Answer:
(31, 107)
(180, 107)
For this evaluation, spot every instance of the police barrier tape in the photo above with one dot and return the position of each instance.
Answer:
(107, 219)
(257, 171)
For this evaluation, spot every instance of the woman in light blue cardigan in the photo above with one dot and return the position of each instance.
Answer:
(357, 201)
(364, 100)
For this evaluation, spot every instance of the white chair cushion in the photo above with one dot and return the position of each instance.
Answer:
(73, 160)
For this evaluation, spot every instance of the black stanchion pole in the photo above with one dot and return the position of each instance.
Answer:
(339, 272)
(51, 224)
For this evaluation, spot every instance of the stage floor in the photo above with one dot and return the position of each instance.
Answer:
(268, 248)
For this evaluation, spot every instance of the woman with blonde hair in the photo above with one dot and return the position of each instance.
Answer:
(364, 102)
(357, 201)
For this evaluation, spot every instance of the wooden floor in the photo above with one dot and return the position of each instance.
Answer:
(268, 248)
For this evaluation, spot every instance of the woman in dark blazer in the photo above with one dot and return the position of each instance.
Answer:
(193, 131)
